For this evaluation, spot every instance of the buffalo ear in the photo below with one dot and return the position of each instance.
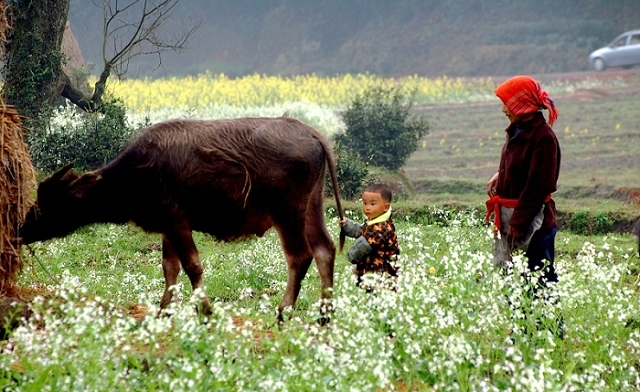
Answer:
(82, 184)
(56, 183)
(57, 176)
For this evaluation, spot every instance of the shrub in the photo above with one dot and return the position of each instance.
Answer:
(602, 223)
(380, 129)
(586, 223)
(89, 140)
(579, 222)
(351, 171)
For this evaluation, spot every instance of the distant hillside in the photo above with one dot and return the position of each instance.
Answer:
(385, 37)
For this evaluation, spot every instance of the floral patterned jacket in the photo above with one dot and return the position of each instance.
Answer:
(382, 238)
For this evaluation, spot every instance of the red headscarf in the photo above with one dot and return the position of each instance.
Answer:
(523, 94)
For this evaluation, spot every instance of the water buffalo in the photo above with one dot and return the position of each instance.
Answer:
(228, 178)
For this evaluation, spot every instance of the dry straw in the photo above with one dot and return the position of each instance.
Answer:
(17, 180)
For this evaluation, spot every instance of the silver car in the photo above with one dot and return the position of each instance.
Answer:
(624, 51)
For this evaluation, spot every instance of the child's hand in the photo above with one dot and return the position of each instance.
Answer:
(342, 222)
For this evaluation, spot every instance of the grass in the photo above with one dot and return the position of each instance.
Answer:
(451, 324)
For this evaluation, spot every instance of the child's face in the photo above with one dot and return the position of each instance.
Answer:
(373, 205)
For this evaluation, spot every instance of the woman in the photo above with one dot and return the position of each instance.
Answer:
(520, 192)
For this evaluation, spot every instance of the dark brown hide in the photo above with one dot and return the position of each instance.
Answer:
(229, 178)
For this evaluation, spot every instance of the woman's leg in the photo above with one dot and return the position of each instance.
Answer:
(541, 255)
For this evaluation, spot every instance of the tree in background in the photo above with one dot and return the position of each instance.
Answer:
(33, 62)
(132, 29)
(35, 77)
(380, 128)
(352, 172)
(33, 72)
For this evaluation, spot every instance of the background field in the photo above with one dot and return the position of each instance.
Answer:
(598, 131)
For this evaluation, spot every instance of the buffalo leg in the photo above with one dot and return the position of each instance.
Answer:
(324, 251)
(181, 244)
(298, 255)
(171, 269)
(324, 255)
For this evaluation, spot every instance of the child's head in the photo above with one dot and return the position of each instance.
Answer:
(376, 200)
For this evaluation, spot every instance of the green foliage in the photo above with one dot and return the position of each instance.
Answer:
(414, 213)
(27, 85)
(588, 223)
(89, 140)
(601, 223)
(380, 128)
(351, 171)
(580, 222)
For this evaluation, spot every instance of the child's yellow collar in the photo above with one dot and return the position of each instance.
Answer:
(380, 218)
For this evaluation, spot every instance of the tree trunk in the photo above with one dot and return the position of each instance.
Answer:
(33, 63)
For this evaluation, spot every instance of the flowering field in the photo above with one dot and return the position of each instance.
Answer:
(311, 98)
(208, 90)
(448, 327)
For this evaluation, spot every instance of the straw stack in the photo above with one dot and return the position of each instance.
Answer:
(17, 180)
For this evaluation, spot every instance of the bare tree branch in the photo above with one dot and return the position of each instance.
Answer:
(139, 27)
(133, 28)
(75, 95)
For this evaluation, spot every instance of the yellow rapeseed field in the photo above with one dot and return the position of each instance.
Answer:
(207, 90)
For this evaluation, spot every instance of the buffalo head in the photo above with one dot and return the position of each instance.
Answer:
(58, 207)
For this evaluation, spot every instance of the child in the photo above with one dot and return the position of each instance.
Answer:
(376, 245)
